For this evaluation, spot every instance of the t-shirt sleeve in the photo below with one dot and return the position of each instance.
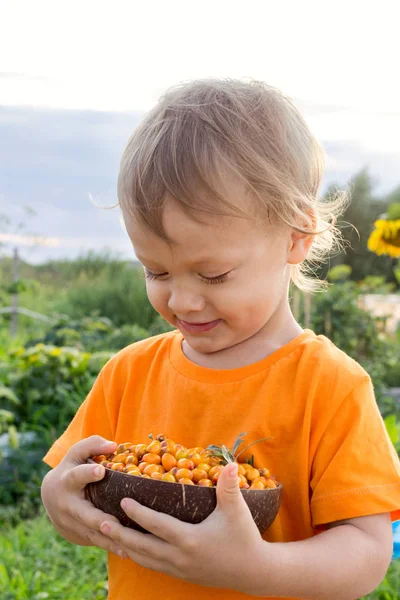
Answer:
(92, 418)
(355, 470)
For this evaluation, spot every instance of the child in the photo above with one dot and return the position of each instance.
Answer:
(219, 191)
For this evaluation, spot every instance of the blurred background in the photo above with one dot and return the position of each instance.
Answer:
(75, 79)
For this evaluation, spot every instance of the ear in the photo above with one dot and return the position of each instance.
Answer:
(299, 247)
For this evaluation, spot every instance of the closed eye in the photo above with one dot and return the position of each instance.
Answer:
(150, 276)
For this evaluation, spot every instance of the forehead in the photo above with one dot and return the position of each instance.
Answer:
(212, 236)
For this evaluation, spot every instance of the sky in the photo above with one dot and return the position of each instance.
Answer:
(76, 77)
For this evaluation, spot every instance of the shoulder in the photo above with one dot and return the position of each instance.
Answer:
(322, 361)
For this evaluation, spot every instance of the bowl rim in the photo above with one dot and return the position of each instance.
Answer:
(279, 485)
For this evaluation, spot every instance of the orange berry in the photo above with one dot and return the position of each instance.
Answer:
(261, 478)
(156, 475)
(270, 483)
(180, 453)
(204, 466)
(131, 459)
(264, 472)
(152, 458)
(215, 477)
(252, 474)
(213, 470)
(168, 477)
(205, 482)
(258, 485)
(100, 458)
(185, 463)
(196, 458)
(245, 466)
(145, 476)
(140, 450)
(132, 470)
(174, 471)
(154, 447)
(151, 468)
(123, 447)
(160, 437)
(142, 466)
(241, 470)
(184, 473)
(119, 458)
(199, 474)
(168, 446)
(168, 461)
(118, 467)
(186, 481)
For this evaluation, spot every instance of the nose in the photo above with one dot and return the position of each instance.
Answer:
(183, 301)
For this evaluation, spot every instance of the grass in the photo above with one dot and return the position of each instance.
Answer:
(37, 564)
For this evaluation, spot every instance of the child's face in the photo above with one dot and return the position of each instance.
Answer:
(221, 282)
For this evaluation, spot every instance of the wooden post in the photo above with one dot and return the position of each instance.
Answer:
(14, 298)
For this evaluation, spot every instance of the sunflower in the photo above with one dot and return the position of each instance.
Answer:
(385, 239)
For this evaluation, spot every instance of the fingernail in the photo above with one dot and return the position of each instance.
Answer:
(98, 471)
(104, 528)
(124, 504)
(233, 472)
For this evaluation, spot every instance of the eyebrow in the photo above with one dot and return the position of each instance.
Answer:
(201, 262)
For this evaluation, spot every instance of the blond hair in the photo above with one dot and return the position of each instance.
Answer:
(203, 133)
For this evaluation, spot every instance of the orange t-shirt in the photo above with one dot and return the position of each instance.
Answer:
(329, 445)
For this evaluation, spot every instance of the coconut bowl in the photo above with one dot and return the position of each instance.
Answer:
(189, 503)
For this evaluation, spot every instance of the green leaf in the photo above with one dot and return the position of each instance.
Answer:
(13, 437)
(227, 455)
(7, 393)
(252, 443)
(239, 440)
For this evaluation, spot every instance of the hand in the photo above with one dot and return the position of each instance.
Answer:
(221, 551)
(74, 517)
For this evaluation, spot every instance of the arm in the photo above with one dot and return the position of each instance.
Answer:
(227, 551)
(345, 562)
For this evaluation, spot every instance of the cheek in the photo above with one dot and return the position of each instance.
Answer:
(158, 296)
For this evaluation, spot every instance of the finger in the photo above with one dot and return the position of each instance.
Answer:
(78, 477)
(84, 512)
(105, 543)
(229, 496)
(135, 541)
(91, 446)
(161, 525)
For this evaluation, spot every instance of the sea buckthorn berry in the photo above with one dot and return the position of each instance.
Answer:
(204, 466)
(252, 474)
(215, 477)
(142, 466)
(151, 468)
(140, 450)
(168, 446)
(184, 473)
(154, 447)
(261, 478)
(185, 463)
(213, 470)
(205, 483)
(180, 453)
(168, 461)
(199, 474)
(151, 458)
(123, 447)
(186, 481)
(132, 470)
(241, 470)
(243, 485)
(160, 437)
(258, 485)
(100, 458)
(196, 458)
(119, 458)
(145, 476)
(168, 477)
(131, 459)
(246, 466)
(174, 471)
(156, 475)
(264, 472)
(118, 467)
(270, 483)
(215, 460)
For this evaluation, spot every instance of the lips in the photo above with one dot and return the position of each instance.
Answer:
(198, 327)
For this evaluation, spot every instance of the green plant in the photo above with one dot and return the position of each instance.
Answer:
(37, 564)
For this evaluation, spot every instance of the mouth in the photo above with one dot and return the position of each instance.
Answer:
(197, 327)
